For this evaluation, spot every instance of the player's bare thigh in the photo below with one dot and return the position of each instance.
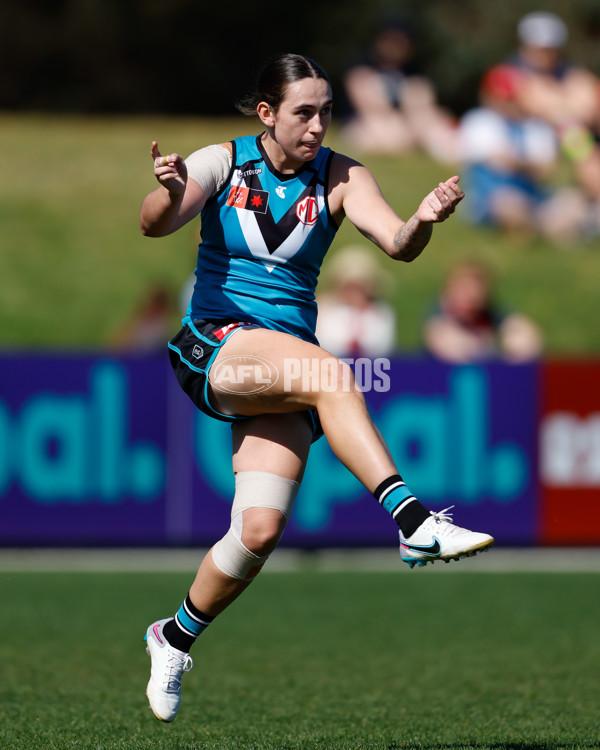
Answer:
(259, 370)
(277, 443)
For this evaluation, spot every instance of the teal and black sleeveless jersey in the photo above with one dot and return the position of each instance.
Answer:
(264, 237)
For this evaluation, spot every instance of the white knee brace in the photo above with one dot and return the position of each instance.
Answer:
(253, 489)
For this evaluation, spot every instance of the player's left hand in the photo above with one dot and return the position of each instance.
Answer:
(441, 202)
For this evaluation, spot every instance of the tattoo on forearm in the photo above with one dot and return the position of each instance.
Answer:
(411, 238)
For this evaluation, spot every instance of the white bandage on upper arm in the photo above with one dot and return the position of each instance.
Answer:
(209, 167)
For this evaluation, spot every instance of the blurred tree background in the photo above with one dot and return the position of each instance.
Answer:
(196, 58)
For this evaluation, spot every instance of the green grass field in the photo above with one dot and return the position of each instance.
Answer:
(376, 661)
(73, 264)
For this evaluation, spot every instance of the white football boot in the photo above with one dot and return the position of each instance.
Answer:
(437, 538)
(168, 666)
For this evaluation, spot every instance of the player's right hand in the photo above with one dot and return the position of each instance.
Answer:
(169, 170)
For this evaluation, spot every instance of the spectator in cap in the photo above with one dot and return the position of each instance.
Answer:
(564, 94)
(554, 88)
(542, 30)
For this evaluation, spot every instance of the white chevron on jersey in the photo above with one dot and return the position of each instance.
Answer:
(288, 248)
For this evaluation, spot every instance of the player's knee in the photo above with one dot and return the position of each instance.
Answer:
(234, 559)
(262, 529)
(261, 507)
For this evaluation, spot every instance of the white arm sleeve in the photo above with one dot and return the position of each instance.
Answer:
(209, 167)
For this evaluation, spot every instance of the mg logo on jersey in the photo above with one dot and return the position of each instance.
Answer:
(307, 211)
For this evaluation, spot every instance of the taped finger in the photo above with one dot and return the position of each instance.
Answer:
(161, 161)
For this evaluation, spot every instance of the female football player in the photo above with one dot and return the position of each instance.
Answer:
(270, 205)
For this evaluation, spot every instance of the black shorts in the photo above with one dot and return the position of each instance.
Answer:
(192, 352)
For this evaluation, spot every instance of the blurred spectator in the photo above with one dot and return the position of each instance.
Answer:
(394, 110)
(465, 324)
(354, 320)
(509, 159)
(553, 88)
(151, 324)
(564, 94)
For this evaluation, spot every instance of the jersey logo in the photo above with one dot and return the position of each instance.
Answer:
(240, 174)
(248, 198)
(307, 211)
(298, 205)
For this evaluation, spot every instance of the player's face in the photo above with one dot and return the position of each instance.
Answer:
(302, 120)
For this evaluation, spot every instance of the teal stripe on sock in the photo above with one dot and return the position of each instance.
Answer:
(188, 623)
(397, 496)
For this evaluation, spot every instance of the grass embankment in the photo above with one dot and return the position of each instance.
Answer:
(74, 265)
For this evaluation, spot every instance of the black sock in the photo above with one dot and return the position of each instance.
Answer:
(181, 632)
(401, 504)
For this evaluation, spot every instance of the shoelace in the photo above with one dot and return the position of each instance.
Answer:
(177, 666)
(442, 515)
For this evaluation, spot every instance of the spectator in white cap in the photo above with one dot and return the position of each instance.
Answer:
(543, 29)
(555, 88)
(566, 95)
